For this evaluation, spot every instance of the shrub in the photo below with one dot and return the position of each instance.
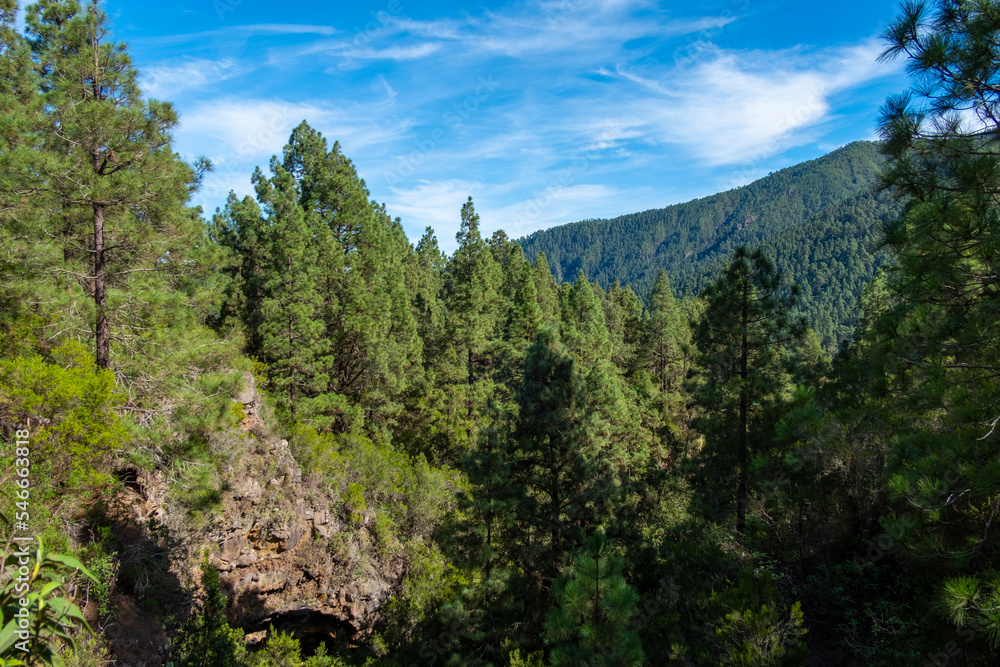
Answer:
(74, 405)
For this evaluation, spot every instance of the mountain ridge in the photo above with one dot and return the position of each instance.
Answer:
(818, 220)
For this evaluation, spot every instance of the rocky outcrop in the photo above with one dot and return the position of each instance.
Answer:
(285, 548)
(287, 551)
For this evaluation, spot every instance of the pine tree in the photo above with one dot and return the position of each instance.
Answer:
(665, 335)
(332, 266)
(592, 623)
(584, 331)
(471, 297)
(362, 259)
(101, 156)
(427, 399)
(426, 284)
(291, 329)
(206, 640)
(739, 338)
(558, 458)
(520, 318)
(615, 319)
(623, 315)
(545, 288)
(937, 336)
(243, 231)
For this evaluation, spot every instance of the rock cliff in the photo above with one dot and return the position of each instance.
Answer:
(288, 552)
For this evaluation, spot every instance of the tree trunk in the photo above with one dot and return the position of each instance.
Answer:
(471, 400)
(101, 331)
(741, 491)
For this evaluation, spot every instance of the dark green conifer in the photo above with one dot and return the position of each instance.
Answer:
(739, 342)
(102, 156)
(559, 463)
(592, 622)
(584, 330)
(291, 329)
(665, 336)
(520, 318)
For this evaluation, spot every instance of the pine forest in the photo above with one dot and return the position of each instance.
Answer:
(757, 428)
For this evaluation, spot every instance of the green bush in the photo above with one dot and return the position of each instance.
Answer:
(72, 407)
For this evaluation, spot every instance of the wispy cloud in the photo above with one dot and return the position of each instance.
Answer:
(238, 135)
(437, 204)
(590, 108)
(562, 28)
(553, 204)
(351, 57)
(170, 79)
(242, 32)
(726, 107)
(285, 29)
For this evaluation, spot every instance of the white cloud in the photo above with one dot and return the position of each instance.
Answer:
(168, 80)
(390, 92)
(564, 29)
(239, 135)
(729, 107)
(234, 129)
(437, 204)
(286, 29)
(353, 58)
(254, 128)
(556, 202)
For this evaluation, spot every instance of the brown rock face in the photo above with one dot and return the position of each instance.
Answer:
(287, 551)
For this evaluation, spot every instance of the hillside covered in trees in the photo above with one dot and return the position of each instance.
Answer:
(281, 434)
(820, 221)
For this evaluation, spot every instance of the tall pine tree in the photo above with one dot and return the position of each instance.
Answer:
(739, 341)
(101, 155)
(472, 288)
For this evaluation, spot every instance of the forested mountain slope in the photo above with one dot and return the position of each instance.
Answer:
(820, 220)
(287, 436)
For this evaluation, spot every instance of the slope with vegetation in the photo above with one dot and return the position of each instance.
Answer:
(819, 220)
(286, 436)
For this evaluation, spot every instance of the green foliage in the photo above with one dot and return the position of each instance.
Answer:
(973, 603)
(206, 640)
(283, 650)
(75, 405)
(592, 624)
(97, 193)
(757, 628)
(38, 617)
(876, 612)
(372, 475)
(819, 220)
(767, 637)
(354, 501)
(531, 660)
(936, 337)
(316, 268)
(561, 481)
(105, 568)
(740, 339)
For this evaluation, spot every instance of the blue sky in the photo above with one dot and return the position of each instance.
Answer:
(545, 112)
